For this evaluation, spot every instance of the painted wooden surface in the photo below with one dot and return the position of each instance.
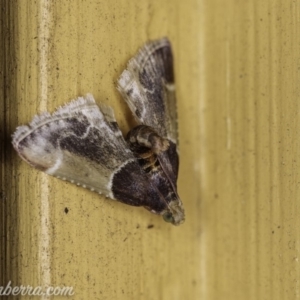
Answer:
(237, 72)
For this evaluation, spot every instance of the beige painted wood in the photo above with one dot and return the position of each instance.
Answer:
(237, 72)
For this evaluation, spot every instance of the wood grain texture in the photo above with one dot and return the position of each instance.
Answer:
(237, 74)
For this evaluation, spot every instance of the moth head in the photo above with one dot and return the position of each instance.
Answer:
(175, 214)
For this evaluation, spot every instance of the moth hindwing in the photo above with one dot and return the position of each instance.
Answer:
(82, 143)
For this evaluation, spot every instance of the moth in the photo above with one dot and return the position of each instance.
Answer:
(82, 143)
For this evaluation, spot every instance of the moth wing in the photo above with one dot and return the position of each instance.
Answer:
(147, 86)
(169, 162)
(78, 143)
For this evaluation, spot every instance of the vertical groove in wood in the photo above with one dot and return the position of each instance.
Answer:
(8, 206)
(45, 34)
(2, 156)
(2, 122)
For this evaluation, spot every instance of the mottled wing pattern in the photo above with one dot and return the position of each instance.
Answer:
(78, 143)
(169, 161)
(147, 86)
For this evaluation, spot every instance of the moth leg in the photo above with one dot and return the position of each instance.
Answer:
(146, 144)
